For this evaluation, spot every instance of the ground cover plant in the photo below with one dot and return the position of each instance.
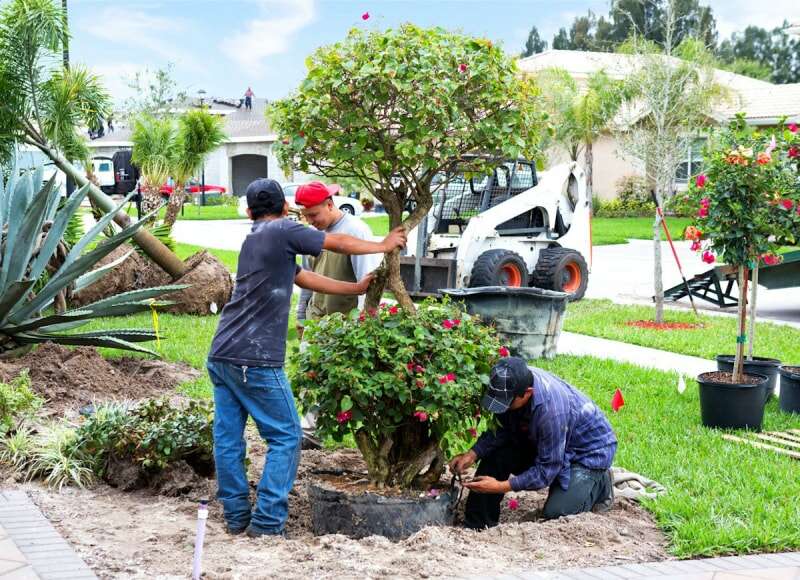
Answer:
(722, 498)
(399, 384)
(605, 319)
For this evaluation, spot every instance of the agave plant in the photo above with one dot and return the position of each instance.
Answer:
(32, 225)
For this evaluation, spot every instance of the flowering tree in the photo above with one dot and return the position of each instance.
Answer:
(748, 203)
(393, 108)
(399, 384)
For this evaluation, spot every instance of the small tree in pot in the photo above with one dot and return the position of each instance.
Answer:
(746, 204)
(400, 384)
(394, 108)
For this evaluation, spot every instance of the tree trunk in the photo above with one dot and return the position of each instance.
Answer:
(589, 155)
(408, 458)
(738, 366)
(151, 199)
(753, 295)
(174, 206)
(658, 283)
(152, 246)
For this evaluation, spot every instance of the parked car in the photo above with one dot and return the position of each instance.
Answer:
(194, 189)
(103, 168)
(346, 204)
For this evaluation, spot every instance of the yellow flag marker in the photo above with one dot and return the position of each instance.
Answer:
(155, 322)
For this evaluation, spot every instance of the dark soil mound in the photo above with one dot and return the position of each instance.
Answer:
(72, 378)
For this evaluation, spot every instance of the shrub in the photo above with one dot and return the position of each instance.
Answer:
(633, 200)
(59, 457)
(398, 383)
(16, 449)
(17, 402)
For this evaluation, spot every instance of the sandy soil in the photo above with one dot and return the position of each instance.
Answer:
(143, 535)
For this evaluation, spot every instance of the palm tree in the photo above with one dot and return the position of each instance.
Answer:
(44, 104)
(199, 133)
(155, 151)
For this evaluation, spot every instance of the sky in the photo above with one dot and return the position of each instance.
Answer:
(224, 46)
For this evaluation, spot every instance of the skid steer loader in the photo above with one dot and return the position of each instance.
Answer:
(513, 227)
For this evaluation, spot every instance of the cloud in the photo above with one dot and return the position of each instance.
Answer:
(736, 15)
(140, 30)
(269, 35)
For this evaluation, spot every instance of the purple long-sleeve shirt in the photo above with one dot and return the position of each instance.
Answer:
(563, 425)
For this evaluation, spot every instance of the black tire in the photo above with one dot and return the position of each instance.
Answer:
(347, 208)
(557, 269)
(497, 268)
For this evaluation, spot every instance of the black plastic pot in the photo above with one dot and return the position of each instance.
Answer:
(790, 389)
(528, 320)
(732, 406)
(758, 366)
(367, 514)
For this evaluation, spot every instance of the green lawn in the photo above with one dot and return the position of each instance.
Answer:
(196, 212)
(379, 224)
(717, 335)
(722, 498)
(607, 231)
(228, 257)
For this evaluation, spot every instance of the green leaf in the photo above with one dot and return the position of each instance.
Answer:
(346, 403)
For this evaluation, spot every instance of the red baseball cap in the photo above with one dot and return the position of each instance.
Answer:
(314, 193)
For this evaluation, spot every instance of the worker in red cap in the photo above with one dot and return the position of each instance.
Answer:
(318, 208)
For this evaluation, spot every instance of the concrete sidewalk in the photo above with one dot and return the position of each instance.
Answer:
(583, 345)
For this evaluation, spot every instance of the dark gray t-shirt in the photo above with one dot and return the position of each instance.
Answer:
(253, 326)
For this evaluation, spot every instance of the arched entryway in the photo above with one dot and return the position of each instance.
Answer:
(245, 169)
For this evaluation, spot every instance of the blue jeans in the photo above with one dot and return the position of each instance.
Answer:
(264, 394)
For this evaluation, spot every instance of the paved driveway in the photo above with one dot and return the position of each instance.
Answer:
(620, 272)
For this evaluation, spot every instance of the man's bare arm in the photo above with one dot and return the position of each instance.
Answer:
(344, 244)
(310, 281)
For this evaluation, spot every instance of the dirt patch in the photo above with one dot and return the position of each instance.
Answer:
(142, 535)
(792, 370)
(72, 378)
(650, 325)
(727, 378)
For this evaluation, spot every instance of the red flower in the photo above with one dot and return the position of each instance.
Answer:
(421, 415)
(462, 68)
(787, 204)
(473, 431)
(504, 352)
(456, 322)
(302, 134)
(361, 317)
(792, 127)
(443, 380)
(451, 376)
(448, 324)
(702, 212)
(763, 158)
(708, 257)
(701, 181)
(513, 504)
(705, 202)
(344, 416)
(394, 310)
(771, 259)
(372, 312)
(410, 367)
(365, 16)
(794, 152)
(285, 141)
(696, 245)
(311, 375)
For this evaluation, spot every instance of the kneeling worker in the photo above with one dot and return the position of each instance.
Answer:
(551, 435)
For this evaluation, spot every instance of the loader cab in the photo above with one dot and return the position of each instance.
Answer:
(457, 199)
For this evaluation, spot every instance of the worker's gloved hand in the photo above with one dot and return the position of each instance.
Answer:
(460, 463)
(363, 284)
(395, 240)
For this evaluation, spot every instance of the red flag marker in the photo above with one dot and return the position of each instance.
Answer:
(617, 401)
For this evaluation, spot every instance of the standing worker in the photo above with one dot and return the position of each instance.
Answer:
(551, 435)
(320, 211)
(248, 351)
(248, 99)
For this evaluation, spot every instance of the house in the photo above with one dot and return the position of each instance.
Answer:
(762, 102)
(246, 155)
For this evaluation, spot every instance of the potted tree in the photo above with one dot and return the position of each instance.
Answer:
(745, 198)
(392, 109)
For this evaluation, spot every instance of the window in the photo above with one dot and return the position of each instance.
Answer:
(104, 167)
(693, 164)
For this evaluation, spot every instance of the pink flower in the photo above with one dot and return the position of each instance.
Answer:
(365, 16)
(384, 306)
(771, 259)
(394, 310)
(708, 257)
(763, 158)
(504, 352)
(473, 431)
(344, 416)
(362, 317)
(696, 245)
(513, 504)
(462, 67)
(792, 127)
(794, 152)
(451, 376)
(419, 369)
(448, 378)
(457, 322)
(421, 415)
(701, 181)
(705, 202)
(372, 312)
(787, 204)
(448, 324)
(443, 380)
(702, 212)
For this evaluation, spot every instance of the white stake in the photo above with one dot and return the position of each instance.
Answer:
(681, 384)
(202, 516)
